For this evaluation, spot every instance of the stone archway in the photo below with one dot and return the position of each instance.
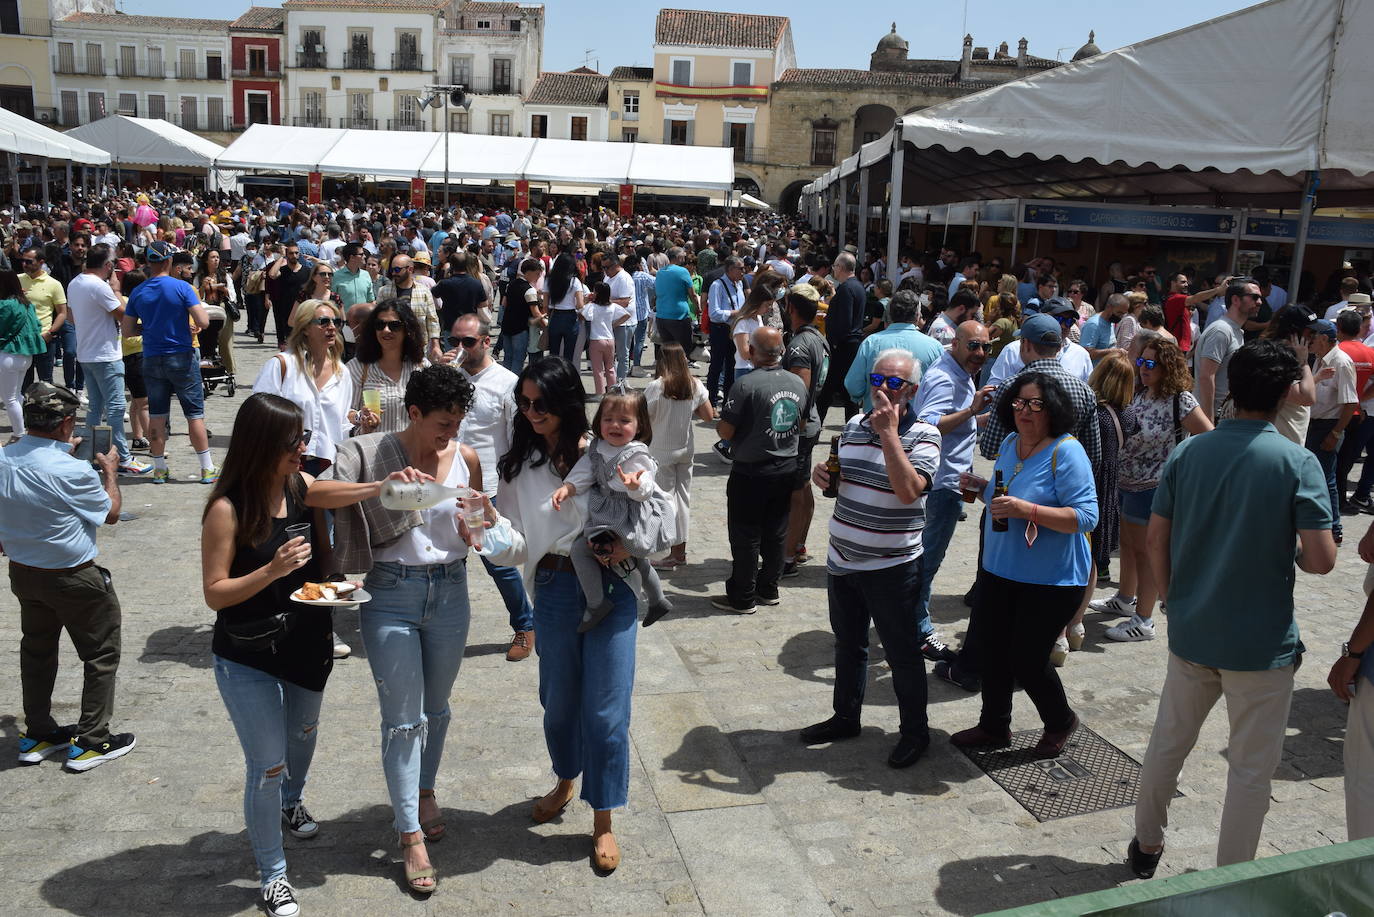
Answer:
(747, 185)
(790, 198)
(870, 123)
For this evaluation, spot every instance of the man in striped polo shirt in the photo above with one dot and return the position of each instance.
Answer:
(887, 460)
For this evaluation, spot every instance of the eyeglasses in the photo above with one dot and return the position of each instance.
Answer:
(400, 270)
(978, 345)
(893, 383)
(28, 261)
(300, 439)
(466, 342)
(1146, 364)
(524, 405)
(394, 326)
(1034, 405)
(324, 321)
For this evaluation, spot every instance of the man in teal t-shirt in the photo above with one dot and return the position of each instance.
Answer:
(1229, 508)
(675, 300)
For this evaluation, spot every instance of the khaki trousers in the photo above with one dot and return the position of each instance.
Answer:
(1257, 706)
(1359, 763)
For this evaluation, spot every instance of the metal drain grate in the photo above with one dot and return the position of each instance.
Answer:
(1091, 775)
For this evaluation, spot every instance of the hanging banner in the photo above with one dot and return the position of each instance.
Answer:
(627, 200)
(417, 192)
(314, 188)
(522, 194)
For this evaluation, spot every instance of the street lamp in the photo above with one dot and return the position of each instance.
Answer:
(444, 95)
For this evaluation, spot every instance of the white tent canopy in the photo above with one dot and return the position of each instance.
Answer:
(148, 140)
(29, 138)
(406, 154)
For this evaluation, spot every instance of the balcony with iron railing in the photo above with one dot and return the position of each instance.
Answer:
(412, 123)
(78, 66)
(485, 85)
(367, 124)
(407, 60)
(359, 60)
(38, 28)
(141, 69)
(312, 60)
(256, 73)
(311, 121)
(747, 153)
(201, 70)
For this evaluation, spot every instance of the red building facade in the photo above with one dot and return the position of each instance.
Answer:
(255, 67)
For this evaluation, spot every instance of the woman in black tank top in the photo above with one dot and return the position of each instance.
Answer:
(272, 656)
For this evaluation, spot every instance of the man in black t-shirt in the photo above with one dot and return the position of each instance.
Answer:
(286, 277)
(844, 323)
(458, 295)
(522, 304)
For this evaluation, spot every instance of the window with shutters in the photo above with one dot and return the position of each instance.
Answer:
(214, 115)
(157, 107)
(189, 119)
(578, 128)
(312, 103)
(95, 58)
(742, 73)
(458, 122)
(214, 67)
(127, 66)
(501, 70)
(500, 125)
(822, 147)
(128, 104)
(66, 57)
(539, 126)
(71, 102)
(681, 71)
(155, 66)
(95, 106)
(460, 71)
(186, 63)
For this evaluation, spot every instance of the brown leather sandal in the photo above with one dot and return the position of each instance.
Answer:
(436, 827)
(542, 814)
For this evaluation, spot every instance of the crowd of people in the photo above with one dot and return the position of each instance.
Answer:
(443, 353)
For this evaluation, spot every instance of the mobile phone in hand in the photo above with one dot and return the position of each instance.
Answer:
(102, 437)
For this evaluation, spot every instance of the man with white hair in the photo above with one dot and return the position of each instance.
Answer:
(888, 458)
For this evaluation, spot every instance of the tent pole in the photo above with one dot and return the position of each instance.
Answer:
(71, 198)
(47, 193)
(12, 160)
(1097, 259)
(1235, 242)
(1304, 220)
(863, 213)
(894, 206)
(446, 129)
(843, 195)
(1015, 235)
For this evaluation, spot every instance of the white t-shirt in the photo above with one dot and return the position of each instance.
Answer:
(623, 287)
(569, 300)
(329, 251)
(672, 423)
(91, 301)
(746, 327)
(602, 319)
(488, 423)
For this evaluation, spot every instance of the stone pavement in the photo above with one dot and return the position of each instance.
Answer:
(728, 813)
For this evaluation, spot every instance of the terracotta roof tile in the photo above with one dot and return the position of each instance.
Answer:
(569, 89)
(487, 9)
(261, 18)
(418, 5)
(719, 30)
(151, 23)
(633, 73)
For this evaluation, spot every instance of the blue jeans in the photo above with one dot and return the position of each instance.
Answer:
(942, 516)
(275, 721)
(513, 348)
(512, 588)
(167, 373)
(563, 328)
(105, 391)
(414, 629)
(624, 338)
(641, 331)
(585, 683)
(1318, 430)
(64, 343)
(885, 597)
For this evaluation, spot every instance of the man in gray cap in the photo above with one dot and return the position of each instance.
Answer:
(51, 504)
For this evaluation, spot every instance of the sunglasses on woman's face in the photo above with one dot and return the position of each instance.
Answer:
(1146, 364)
(1034, 405)
(300, 439)
(394, 326)
(893, 383)
(324, 273)
(324, 321)
(524, 405)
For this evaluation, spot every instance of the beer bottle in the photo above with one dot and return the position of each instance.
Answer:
(832, 467)
(999, 490)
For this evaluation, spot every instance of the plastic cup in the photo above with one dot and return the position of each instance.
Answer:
(299, 529)
(372, 400)
(474, 516)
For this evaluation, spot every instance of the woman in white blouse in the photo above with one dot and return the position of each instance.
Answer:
(310, 373)
(390, 347)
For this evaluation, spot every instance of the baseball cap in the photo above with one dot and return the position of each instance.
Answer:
(1322, 326)
(1041, 329)
(1295, 318)
(46, 401)
(1058, 305)
(159, 252)
(83, 223)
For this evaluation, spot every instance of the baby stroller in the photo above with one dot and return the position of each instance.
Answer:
(212, 371)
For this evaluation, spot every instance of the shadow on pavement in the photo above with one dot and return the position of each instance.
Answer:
(804, 655)
(187, 644)
(982, 884)
(1318, 748)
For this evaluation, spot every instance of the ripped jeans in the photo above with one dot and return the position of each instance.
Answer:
(414, 629)
(276, 723)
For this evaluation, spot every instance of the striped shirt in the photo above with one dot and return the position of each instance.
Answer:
(871, 529)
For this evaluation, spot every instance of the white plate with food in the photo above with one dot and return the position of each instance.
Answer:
(330, 594)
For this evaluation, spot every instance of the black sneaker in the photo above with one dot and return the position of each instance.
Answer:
(790, 569)
(835, 729)
(908, 750)
(34, 749)
(1142, 864)
(945, 672)
(1355, 506)
(725, 603)
(723, 452)
(85, 754)
(935, 649)
(298, 820)
(767, 599)
(279, 898)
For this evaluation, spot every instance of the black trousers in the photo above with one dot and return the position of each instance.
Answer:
(757, 507)
(281, 317)
(677, 330)
(721, 374)
(1020, 622)
(841, 358)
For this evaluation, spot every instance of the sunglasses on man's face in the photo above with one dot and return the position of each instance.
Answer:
(467, 343)
(324, 321)
(978, 345)
(893, 383)
(27, 261)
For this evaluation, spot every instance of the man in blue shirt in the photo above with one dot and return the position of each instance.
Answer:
(677, 300)
(51, 504)
(901, 332)
(163, 309)
(950, 401)
(1098, 334)
(724, 298)
(1229, 507)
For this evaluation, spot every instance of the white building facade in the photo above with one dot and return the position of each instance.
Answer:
(568, 106)
(147, 66)
(495, 51)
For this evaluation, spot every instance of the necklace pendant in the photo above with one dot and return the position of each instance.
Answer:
(1017, 469)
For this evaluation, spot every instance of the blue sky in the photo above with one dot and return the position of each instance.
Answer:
(827, 38)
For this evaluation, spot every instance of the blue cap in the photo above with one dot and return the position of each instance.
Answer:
(1041, 329)
(160, 251)
(1322, 326)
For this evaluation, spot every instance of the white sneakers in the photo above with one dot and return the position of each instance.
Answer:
(1132, 630)
(1115, 605)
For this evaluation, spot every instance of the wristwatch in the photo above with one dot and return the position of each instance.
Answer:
(1346, 651)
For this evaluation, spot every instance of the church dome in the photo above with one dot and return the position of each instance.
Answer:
(892, 41)
(1089, 50)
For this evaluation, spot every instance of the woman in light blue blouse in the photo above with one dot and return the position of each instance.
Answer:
(1035, 569)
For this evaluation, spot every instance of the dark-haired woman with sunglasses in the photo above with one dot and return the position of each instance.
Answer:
(390, 348)
(1036, 560)
(309, 372)
(271, 655)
